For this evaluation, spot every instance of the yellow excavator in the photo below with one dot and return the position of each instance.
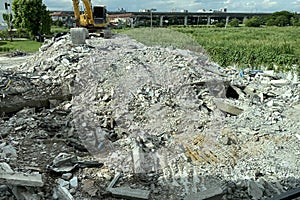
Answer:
(94, 18)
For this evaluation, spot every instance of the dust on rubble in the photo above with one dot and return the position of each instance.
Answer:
(117, 119)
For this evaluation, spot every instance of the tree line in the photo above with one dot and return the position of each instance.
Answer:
(280, 18)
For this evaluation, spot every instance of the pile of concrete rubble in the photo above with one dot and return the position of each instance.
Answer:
(117, 119)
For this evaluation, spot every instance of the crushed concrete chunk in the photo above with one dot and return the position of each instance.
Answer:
(225, 107)
(254, 190)
(63, 193)
(21, 179)
(215, 193)
(128, 193)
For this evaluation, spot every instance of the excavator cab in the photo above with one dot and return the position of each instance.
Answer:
(99, 13)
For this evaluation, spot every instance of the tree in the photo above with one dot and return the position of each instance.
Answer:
(234, 22)
(253, 22)
(32, 15)
(282, 18)
(8, 19)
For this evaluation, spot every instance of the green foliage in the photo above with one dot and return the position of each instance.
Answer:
(249, 47)
(282, 18)
(234, 22)
(295, 21)
(4, 35)
(161, 37)
(58, 23)
(7, 18)
(31, 15)
(220, 24)
(253, 22)
(57, 29)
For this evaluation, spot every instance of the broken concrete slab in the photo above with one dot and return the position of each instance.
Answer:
(21, 179)
(227, 108)
(137, 157)
(254, 190)
(214, 193)
(63, 193)
(4, 167)
(21, 193)
(129, 193)
(279, 82)
(114, 181)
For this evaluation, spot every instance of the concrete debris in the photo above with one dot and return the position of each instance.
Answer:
(63, 193)
(33, 180)
(169, 120)
(67, 176)
(254, 190)
(74, 182)
(227, 108)
(128, 193)
(214, 193)
(63, 162)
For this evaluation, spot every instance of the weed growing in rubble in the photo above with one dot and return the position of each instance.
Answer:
(249, 47)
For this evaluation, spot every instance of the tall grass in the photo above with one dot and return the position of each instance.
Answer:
(255, 48)
(249, 47)
(165, 38)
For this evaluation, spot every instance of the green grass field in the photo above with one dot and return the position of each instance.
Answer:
(22, 45)
(255, 48)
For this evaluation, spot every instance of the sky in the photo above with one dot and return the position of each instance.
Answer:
(178, 5)
(190, 5)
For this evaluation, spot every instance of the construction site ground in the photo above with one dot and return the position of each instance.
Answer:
(115, 119)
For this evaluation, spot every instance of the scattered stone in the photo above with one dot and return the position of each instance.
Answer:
(74, 182)
(89, 187)
(63, 183)
(67, 176)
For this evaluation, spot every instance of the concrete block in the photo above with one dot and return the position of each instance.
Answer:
(78, 35)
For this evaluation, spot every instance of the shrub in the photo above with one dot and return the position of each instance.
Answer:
(234, 22)
(253, 22)
(220, 24)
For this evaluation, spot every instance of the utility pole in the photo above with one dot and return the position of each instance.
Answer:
(151, 21)
(7, 7)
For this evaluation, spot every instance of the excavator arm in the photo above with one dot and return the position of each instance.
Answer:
(85, 19)
(76, 12)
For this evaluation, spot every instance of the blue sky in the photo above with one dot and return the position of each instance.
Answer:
(190, 5)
